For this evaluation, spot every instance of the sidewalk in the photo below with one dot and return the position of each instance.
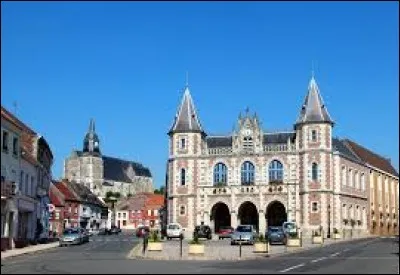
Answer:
(27, 250)
(220, 250)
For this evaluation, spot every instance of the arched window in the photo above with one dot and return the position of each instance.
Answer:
(247, 173)
(220, 174)
(314, 171)
(275, 171)
(183, 176)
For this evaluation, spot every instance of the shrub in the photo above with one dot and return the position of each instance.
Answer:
(335, 231)
(261, 239)
(195, 240)
(293, 235)
(154, 238)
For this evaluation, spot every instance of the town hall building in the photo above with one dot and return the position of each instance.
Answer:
(252, 176)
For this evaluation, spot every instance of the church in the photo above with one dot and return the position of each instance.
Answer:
(102, 174)
(253, 176)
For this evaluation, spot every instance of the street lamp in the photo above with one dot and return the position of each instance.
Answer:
(329, 222)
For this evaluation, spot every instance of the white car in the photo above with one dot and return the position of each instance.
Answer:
(174, 230)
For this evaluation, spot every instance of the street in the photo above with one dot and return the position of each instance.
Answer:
(108, 254)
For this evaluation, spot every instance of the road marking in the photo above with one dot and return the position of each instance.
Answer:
(346, 249)
(319, 259)
(335, 254)
(293, 267)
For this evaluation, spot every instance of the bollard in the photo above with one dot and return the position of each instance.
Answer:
(240, 246)
(180, 243)
(144, 244)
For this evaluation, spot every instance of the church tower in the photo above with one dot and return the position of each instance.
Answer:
(314, 142)
(91, 143)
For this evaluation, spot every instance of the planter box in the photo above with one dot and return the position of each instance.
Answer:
(260, 247)
(337, 236)
(317, 240)
(293, 242)
(196, 249)
(155, 246)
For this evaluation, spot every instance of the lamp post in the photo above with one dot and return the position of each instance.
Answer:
(329, 221)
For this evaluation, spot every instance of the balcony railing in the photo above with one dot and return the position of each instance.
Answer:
(243, 189)
(266, 148)
(220, 151)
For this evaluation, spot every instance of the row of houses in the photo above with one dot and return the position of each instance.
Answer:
(26, 160)
(142, 209)
(74, 205)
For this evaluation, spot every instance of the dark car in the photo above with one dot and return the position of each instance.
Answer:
(103, 231)
(275, 234)
(225, 232)
(203, 231)
(114, 230)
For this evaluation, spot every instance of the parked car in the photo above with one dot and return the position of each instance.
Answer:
(225, 232)
(275, 234)
(85, 235)
(289, 228)
(141, 230)
(102, 231)
(71, 236)
(174, 230)
(244, 234)
(203, 231)
(114, 230)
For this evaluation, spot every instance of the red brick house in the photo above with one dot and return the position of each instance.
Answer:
(141, 209)
(56, 220)
(71, 205)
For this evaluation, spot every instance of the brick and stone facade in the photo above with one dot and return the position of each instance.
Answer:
(265, 178)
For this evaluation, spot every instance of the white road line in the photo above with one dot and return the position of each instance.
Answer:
(335, 254)
(319, 259)
(346, 249)
(292, 267)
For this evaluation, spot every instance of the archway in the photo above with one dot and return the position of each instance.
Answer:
(248, 214)
(276, 214)
(220, 215)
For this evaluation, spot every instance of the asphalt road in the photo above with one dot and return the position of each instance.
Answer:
(107, 255)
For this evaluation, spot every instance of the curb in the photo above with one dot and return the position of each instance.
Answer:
(136, 254)
(5, 256)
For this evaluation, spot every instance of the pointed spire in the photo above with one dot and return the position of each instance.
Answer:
(91, 126)
(313, 109)
(186, 119)
(91, 141)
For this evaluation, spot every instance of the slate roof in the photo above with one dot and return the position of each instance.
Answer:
(371, 158)
(186, 119)
(313, 109)
(278, 138)
(269, 138)
(85, 194)
(341, 147)
(215, 142)
(115, 169)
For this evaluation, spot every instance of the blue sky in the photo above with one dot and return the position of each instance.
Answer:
(124, 64)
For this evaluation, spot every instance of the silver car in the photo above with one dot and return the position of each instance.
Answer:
(244, 234)
(71, 236)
